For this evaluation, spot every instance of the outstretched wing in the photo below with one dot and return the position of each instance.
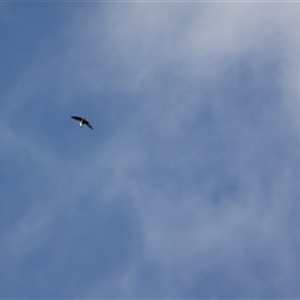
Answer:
(87, 124)
(76, 118)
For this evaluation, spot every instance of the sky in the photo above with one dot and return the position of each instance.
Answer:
(188, 186)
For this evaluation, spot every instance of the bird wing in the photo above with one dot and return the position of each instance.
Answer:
(87, 124)
(76, 118)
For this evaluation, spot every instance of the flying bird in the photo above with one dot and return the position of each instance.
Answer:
(82, 121)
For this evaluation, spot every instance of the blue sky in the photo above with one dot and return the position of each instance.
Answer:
(187, 187)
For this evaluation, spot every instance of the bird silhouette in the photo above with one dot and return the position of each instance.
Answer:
(82, 121)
